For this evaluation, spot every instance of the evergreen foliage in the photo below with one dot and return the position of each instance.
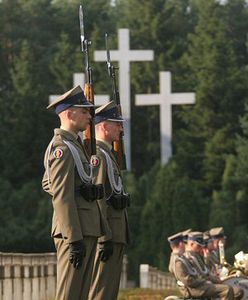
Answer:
(203, 44)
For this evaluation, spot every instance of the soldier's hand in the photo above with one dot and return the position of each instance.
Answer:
(77, 253)
(106, 250)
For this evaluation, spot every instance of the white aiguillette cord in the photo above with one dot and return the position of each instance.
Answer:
(79, 165)
(115, 186)
(78, 162)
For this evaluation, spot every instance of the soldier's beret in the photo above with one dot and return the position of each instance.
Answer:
(197, 237)
(74, 97)
(217, 233)
(175, 238)
(108, 112)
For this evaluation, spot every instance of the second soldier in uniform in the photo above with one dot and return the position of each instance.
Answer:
(108, 262)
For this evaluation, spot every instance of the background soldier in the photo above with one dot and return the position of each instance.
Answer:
(195, 254)
(192, 284)
(176, 242)
(108, 263)
(217, 235)
(76, 220)
(212, 283)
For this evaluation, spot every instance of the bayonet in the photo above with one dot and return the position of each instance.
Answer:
(85, 43)
(89, 134)
(111, 72)
(109, 65)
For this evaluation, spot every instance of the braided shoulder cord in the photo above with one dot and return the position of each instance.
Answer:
(116, 186)
(86, 178)
(190, 269)
(200, 266)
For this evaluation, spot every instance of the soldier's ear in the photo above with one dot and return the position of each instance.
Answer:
(69, 114)
(105, 126)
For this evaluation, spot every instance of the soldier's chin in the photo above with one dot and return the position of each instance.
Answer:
(87, 126)
(83, 128)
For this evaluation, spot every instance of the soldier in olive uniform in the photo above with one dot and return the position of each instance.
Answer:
(176, 242)
(68, 179)
(217, 235)
(108, 262)
(210, 260)
(195, 254)
(193, 285)
(211, 285)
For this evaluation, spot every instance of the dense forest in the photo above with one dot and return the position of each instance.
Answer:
(205, 183)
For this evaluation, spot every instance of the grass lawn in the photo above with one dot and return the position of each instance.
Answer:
(146, 294)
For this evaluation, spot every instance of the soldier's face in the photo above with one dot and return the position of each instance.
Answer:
(114, 130)
(215, 244)
(80, 118)
(196, 247)
(181, 247)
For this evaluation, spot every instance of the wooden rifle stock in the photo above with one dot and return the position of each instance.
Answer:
(89, 133)
(119, 149)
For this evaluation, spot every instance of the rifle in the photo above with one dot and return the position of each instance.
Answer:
(119, 150)
(89, 134)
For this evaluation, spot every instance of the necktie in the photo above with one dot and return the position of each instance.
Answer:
(80, 141)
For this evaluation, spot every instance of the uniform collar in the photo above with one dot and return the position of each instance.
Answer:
(70, 131)
(109, 146)
(66, 134)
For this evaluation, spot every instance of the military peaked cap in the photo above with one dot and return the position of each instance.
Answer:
(185, 234)
(217, 233)
(175, 238)
(74, 97)
(108, 112)
(197, 237)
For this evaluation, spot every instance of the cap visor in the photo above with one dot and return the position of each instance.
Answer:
(199, 244)
(116, 120)
(86, 104)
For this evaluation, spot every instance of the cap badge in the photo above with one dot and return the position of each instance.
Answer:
(58, 153)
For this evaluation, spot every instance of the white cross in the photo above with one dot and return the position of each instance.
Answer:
(124, 56)
(79, 79)
(165, 99)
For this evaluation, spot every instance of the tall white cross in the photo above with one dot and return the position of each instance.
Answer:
(165, 99)
(78, 79)
(124, 56)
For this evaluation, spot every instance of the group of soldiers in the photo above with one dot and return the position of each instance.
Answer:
(195, 263)
(90, 225)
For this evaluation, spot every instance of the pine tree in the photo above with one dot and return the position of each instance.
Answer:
(219, 82)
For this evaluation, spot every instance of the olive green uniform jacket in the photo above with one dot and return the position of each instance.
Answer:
(117, 220)
(194, 285)
(74, 218)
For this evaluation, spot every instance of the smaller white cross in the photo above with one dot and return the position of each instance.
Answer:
(165, 100)
(79, 79)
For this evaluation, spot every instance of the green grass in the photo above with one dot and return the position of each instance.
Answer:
(146, 294)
